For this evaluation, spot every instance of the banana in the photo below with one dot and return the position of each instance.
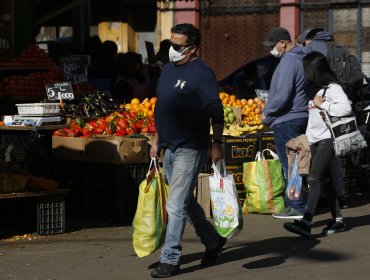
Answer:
(253, 128)
(242, 129)
(260, 127)
(233, 131)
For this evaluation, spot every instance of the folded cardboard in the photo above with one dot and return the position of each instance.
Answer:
(117, 150)
(69, 148)
(202, 194)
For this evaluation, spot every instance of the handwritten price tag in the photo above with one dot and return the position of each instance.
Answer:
(59, 91)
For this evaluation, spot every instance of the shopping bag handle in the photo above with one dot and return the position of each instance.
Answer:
(258, 156)
(275, 156)
(220, 165)
(153, 162)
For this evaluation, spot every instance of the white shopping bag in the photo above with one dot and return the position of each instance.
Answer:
(227, 212)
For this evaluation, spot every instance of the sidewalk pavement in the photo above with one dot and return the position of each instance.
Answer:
(263, 250)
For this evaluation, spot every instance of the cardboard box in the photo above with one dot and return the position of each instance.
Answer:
(69, 148)
(117, 150)
(237, 170)
(241, 149)
(202, 193)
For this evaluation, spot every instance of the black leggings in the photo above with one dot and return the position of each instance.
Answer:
(322, 154)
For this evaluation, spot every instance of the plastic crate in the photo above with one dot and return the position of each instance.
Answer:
(38, 109)
(51, 216)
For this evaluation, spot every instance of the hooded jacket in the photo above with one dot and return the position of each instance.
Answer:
(319, 43)
(288, 95)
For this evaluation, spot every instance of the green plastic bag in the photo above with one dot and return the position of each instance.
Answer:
(264, 184)
(150, 221)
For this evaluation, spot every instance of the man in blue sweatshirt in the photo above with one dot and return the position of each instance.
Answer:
(286, 109)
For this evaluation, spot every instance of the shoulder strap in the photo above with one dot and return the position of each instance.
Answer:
(326, 87)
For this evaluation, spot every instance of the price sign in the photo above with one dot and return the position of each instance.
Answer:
(75, 68)
(59, 91)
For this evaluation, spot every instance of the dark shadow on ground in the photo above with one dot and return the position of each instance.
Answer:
(284, 247)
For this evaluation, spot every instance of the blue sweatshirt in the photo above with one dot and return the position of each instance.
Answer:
(288, 95)
(187, 102)
(319, 43)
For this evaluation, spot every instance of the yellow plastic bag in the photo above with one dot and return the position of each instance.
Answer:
(150, 221)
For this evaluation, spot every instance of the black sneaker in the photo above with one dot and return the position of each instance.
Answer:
(333, 227)
(210, 256)
(165, 270)
(298, 227)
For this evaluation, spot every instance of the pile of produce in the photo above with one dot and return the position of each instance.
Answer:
(31, 56)
(250, 114)
(132, 118)
(96, 104)
(32, 84)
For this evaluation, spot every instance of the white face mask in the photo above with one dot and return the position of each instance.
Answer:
(275, 53)
(176, 56)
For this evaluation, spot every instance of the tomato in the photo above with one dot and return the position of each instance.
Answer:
(138, 124)
(127, 114)
(121, 122)
(76, 129)
(60, 132)
(102, 123)
(152, 128)
(85, 131)
(130, 131)
(97, 130)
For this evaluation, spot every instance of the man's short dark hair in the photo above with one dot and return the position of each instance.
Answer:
(190, 31)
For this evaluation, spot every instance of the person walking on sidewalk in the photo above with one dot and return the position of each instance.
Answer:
(286, 109)
(333, 99)
(187, 101)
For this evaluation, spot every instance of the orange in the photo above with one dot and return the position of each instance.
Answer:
(257, 111)
(250, 102)
(222, 95)
(153, 100)
(134, 107)
(135, 101)
(147, 104)
(232, 97)
(150, 114)
(128, 106)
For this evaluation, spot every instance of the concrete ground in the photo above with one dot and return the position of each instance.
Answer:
(263, 250)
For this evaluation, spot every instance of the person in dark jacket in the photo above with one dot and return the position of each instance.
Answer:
(187, 102)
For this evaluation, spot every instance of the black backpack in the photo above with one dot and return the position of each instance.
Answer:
(345, 65)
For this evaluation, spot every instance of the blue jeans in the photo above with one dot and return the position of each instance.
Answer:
(181, 169)
(283, 132)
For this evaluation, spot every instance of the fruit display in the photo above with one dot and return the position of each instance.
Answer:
(31, 56)
(144, 108)
(132, 118)
(32, 84)
(250, 119)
